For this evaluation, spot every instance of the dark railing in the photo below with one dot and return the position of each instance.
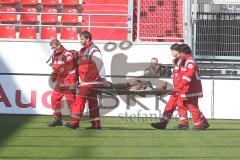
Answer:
(217, 35)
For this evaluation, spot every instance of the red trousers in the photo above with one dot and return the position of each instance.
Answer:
(56, 99)
(86, 94)
(192, 106)
(169, 108)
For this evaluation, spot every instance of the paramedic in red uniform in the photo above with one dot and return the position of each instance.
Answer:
(189, 90)
(172, 102)
(61, 59)
(91, 75)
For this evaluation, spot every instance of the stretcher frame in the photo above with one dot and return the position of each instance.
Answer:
(132, 95)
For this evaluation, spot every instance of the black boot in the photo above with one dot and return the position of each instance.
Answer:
(95, 125)
(71, 125)
(56, 122)
(159, 125)
(201, 126)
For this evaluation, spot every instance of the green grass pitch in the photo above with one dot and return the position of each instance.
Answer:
(28, 137)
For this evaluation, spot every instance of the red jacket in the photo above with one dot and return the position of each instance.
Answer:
(190, 85)
(63, 68)
(176, 71)
(87, 68)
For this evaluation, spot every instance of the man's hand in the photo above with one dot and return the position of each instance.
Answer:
(50, 64)
(106, 83)
(70, 86)
(73, 87)
(173, 91)
(53, 77)
(62, 58)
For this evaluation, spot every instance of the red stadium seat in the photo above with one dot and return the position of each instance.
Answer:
(31, 17)
(49, 18)
(70, 2)
(29, 2)
(48, 32)
(70, 18)
(4, 17)
(8, 1)
(106, 1)
(109, 34)
(7, 32)
(69, 33)
(28, 32)
(50, 2)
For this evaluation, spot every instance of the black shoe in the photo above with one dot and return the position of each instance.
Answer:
(56, 122)
(158, 125)
(201, 127)
(183, 127)
(207, 125)
(71, 125)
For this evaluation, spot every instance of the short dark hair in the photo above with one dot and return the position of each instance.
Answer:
(175, 47)
(154, 58)
(184, 48)
(87, 35)
(55, 41)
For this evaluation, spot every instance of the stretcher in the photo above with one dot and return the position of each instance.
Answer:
(132, 95)
(132, 91)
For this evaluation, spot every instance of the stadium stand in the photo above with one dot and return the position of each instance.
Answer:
(70, 2)
(29, 2)
(124, 2)
(9, 1)
(71, 18)
(154, 28)
(8, 17)
(112, 26)
(50, 2)
(31, 17)
(28, 32)
(48, 32)
(7, 32)
(60, 23)
(106, 27)
(51, 18)
(69, 33)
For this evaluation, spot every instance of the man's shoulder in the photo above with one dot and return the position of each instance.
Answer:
(149, 71)
(94, 47)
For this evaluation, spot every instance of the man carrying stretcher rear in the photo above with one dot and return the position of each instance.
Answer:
(91, 74)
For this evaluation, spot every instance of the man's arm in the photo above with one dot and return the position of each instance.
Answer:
(97, 58)
(188, 76)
